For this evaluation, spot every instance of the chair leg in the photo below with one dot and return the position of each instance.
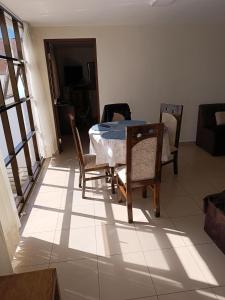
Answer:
(144, 192)
(80, 179)
(83, 187)
(175, 163)
(129, 208)
(106, 178)
(156, 201)
(119, 196)
(112, 181)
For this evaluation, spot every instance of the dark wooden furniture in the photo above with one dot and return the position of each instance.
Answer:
(87, 162)
(34, 285)
(171, 116)
(143, 164)
(122, 109)
(210, 137)
(214, 208)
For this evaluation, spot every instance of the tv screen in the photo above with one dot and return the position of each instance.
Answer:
(73, 75)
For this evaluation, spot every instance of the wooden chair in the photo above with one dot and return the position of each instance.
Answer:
(87, 162)
(143, 164)
(116, 112)
(171, 116)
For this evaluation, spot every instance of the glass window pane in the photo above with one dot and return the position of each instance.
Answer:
(11, 179)
(6, 82)
(23, 174)
(19, 79)
(20, 32)
(21, 38)
(11, 35)
(21, 87)
(26, 117)
(3, 146)
(14, 125)
(2, 49)
(32, 153)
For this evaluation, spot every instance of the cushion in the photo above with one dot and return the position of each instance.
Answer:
(220, 117)
(90, 162)
(143, 159)
(171, 123)
(118, 117)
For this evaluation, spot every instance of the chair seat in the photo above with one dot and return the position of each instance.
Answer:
(90, 162)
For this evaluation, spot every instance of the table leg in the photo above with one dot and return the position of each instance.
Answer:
(112, 180)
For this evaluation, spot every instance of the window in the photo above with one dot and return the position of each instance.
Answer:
(18, 143)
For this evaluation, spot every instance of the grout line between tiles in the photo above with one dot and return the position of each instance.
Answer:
(147, 265)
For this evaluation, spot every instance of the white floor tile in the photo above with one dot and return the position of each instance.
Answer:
(39, 220)
(174, 270)
(110, 213)
(124, 277)
(211, 260)
(34, 249)
(193, 229)
(78, 280)
(180, 206)
(74, 244)
(147, 298)
(81, 217)
(159, 234)
(206, 294)
(68, 231)
(220, 292)
(116, 239)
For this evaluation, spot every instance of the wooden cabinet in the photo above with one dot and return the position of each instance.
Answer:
(36, 285)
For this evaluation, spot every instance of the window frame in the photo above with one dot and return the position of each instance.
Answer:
(22, 189)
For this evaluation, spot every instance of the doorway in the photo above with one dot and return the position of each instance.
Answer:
(73, 80)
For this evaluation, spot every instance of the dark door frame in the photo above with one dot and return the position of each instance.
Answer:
(49, 44)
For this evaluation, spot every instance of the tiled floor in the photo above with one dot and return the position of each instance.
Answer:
(98, 255)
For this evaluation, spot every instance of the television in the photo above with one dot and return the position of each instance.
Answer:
(73, 75)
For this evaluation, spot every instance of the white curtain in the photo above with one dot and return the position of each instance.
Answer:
(9, 221)
(45, 131)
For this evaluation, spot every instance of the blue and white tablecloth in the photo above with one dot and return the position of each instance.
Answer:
(108, 142)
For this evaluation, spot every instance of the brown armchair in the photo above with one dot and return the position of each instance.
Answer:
(210, 136)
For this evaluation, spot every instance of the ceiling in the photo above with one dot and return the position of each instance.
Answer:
(116, 12)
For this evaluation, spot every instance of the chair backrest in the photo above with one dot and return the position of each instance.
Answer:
(77, 141)
(116, 112)
(171, 116)
(144, 152)
(206, 114)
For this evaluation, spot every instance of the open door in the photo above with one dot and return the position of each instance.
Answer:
(54, 89)
(73, 81)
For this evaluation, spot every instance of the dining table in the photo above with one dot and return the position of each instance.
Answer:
(108, 142)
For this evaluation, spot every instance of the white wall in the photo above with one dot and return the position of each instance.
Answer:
(9, 222)
(41, 104)
(145, 66)
(5, 260)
